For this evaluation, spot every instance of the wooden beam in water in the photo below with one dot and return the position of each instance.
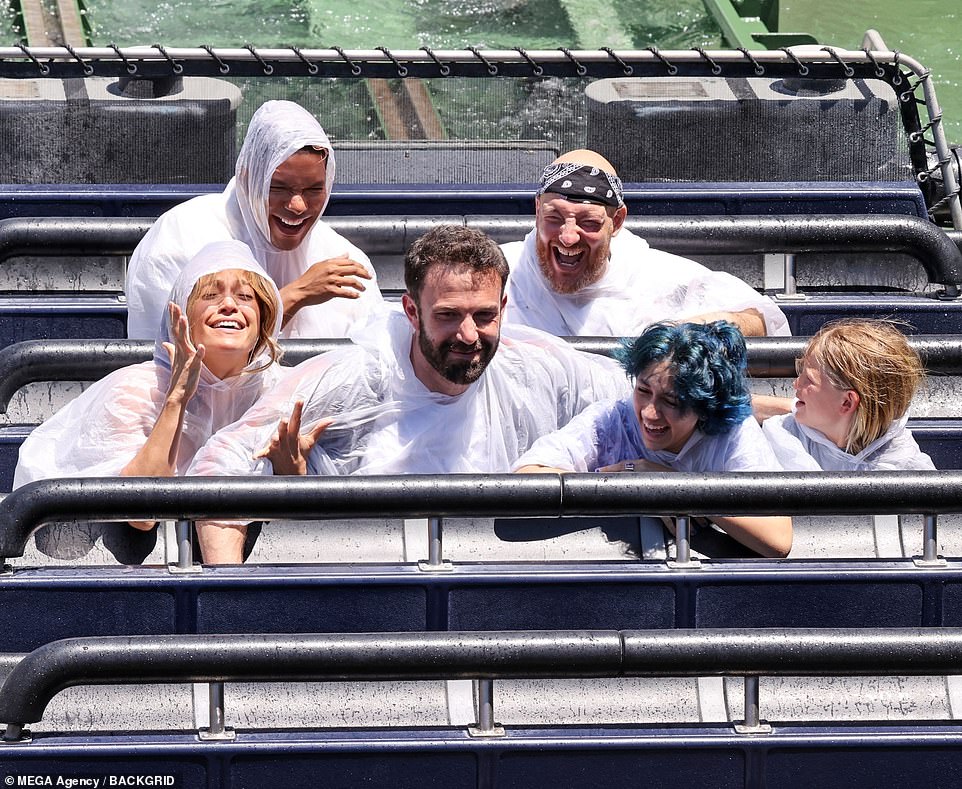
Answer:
(53, 25)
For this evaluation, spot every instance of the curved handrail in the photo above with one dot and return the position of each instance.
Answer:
(917, 237)
(47, 236)
(29, 361)
(109, 660)
(471, 495)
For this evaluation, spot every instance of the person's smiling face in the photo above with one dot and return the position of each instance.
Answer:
(573, 240)
(296, 198)
(457, 324)
(224, 316)
(665, 423)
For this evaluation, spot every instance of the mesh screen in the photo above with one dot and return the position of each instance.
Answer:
(459, 130)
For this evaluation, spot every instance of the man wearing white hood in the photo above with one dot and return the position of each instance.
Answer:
(282, 184)
(435, 388)
(580, 272)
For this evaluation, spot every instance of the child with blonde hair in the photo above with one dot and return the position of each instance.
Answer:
(855, 383)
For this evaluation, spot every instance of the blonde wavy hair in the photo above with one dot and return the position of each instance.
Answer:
(873, 358)
(267, 303)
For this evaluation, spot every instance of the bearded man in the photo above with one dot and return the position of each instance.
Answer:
(580, 272)
(434, 388)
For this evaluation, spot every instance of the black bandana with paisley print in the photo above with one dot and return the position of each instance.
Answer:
(582, 183)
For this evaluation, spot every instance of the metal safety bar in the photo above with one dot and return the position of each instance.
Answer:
(484, 656)
(88, 360)
(808, 61)
(938, 254)
(471, 495)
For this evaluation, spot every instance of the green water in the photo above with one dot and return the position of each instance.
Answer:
(367, 23)
(928, 30)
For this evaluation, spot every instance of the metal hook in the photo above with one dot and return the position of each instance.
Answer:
(897, 79)
(759, 68)
(402, 70)
(580, 68)
(267, 67)
(715, 68)
(879, 71)
(44, 68)
(174, 65)
(624, 66)
(849, 71)
(311, 67)
(88, 69)
(131, 67)
(538, 70)
(222, 66)
(802, 68)
(444, 68)
(672, 68)
(355, 69)
(492, 69)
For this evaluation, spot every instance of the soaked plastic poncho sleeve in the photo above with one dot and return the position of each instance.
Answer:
(800, 448)
(99, 432)
(641, 286)
(386, 421)
(608, 433)
(277, 130)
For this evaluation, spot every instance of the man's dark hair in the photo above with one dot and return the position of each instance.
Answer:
(452, 246)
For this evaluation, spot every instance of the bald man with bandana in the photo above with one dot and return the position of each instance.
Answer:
(580, 272)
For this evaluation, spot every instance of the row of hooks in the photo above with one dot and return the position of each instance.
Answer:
(444, 69)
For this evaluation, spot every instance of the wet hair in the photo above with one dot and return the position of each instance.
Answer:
(708, 364)
(453, 246)
(268, 308)
(873, 358)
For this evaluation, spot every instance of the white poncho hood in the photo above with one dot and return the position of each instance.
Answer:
(278, 129)
(800, 448)
(640, 286)
(99, 432)
(387, 422)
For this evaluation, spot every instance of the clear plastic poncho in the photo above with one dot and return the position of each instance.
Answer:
(608, 433)
(640, 286)
(277, 130)
(800, 448)
(99, 432)
(387, 422)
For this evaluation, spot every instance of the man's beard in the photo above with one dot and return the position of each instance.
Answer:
(459, 371)
(590, 274)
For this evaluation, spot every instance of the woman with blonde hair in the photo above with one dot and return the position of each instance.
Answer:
(856, 380)
(216, 354)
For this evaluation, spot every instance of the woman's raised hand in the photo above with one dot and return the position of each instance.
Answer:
(185, 359)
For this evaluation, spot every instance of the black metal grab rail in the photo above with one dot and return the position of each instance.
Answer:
(937, 253)
(48, 236)
(88, 360)
(470, 495)
(160, 61)
(41, 674)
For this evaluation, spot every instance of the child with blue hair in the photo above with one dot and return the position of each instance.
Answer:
(690, 411)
